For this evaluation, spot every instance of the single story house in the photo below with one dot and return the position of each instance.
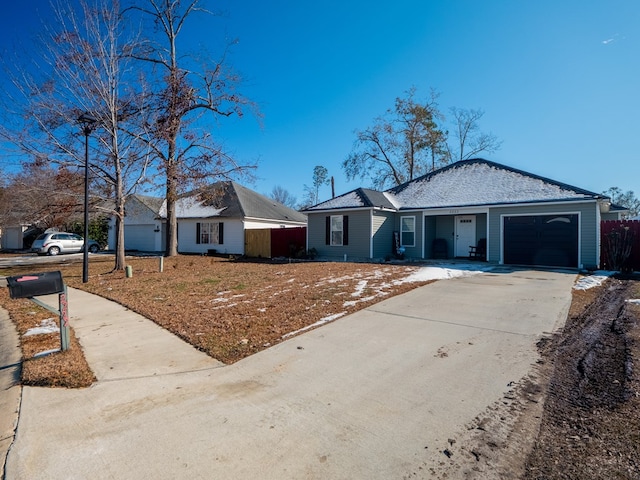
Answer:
(509, 216)
(12, 237)
(214, 218)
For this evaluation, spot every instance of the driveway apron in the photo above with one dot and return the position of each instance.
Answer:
(364, 397)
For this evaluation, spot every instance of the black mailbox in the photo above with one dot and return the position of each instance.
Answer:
(35, 284)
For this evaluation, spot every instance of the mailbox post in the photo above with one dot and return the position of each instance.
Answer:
(47, 283)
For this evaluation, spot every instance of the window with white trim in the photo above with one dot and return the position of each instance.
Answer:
(336, 230)
(408, 231)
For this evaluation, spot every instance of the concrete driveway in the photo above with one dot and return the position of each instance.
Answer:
(368, 396)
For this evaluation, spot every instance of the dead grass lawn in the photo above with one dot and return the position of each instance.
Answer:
(228, 309)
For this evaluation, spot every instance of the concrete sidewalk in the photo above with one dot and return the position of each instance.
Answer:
(121, 344)
(10, 390)
(368, 396)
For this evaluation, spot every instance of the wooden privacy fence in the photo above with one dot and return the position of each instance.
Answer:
(275, 242)
(620, 245)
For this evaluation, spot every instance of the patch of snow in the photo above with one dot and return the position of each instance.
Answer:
(445, 271)
(322, 321)
(635, 301)
(351, 199)
(224, 306)
(593, 280)
(362, 284)
(48, 325)
(191, 207)
(351, 303)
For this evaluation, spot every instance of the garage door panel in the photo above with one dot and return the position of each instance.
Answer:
(546, 240)
(139, 237)
(519, 231)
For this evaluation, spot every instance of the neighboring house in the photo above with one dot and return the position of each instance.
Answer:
(214, 218)
(518, 218)
(12, 237)
(143, 227)
(616, 212)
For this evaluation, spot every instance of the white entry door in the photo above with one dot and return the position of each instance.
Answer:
(465, 234)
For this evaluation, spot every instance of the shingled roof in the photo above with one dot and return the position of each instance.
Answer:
(231, 200)
(467, 183)
(360, 197)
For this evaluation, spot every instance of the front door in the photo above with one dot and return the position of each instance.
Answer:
(465, 234)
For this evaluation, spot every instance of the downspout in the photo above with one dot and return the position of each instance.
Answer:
(424, 233)
(487, 237)
(598, 235)
(371, 234)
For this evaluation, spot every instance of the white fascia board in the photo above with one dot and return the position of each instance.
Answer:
(453, 210)
(273, 220)
(343, 211)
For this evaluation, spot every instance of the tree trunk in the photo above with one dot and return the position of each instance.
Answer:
(120, 252)
(171, 249)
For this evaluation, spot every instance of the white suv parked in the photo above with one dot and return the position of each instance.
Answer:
(54, 243)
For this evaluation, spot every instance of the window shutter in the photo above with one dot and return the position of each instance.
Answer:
(198, 233)
(220, 233)
(327, 231)
(345, 230)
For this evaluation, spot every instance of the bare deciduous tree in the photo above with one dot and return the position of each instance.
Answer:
(627, 200)
(44, 196)
(410, 140)
(469, 140)
(186, 93)
(403, 144)
(82, 69)
(283, 196)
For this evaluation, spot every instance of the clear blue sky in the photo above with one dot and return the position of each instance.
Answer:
(559, 80)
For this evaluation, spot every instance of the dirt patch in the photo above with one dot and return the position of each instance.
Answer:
(575, 416)
(591, 427)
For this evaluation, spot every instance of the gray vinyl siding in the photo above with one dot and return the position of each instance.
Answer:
(415, 251)
(589, 248)
(383, 225)
(359, 235)
(429, 235)
(610, 216)
(481, 226)
(445, 228)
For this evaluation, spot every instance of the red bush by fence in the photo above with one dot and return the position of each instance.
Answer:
(620, 245)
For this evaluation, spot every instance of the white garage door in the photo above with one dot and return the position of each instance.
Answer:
(140, 237)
